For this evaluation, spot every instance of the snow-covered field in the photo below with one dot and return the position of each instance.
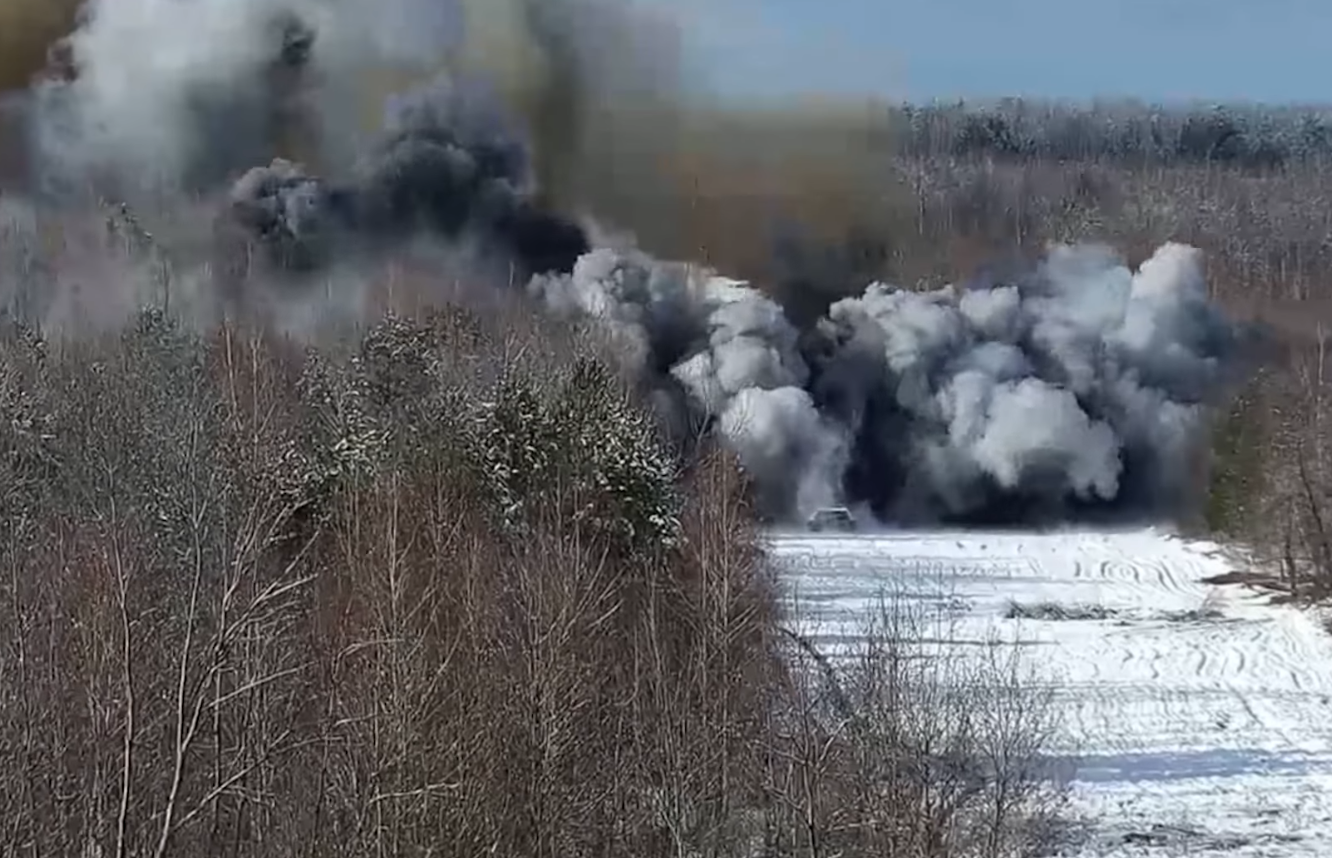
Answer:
(1200, 715)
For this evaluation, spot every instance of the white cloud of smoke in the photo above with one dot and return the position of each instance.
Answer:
(170, 93)
(1078, 389)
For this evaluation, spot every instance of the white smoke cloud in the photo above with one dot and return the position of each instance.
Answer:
(727, 346)
(167, 89)
(1079, 386)
(787, 444)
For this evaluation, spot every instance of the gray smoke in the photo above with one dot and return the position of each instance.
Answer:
(1078, 390)
(174, 95)
(447, 166)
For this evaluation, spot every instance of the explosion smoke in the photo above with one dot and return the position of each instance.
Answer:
(1078, 389)
(185, 93)
(445, 167)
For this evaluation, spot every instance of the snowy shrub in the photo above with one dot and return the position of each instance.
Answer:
(625, 477)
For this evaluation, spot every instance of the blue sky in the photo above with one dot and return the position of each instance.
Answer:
(1277, 50)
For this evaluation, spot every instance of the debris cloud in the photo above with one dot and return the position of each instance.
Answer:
(288, 149)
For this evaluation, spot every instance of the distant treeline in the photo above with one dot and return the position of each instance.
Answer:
(1254, 137)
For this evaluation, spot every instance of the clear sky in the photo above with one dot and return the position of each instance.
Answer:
(1256, 50)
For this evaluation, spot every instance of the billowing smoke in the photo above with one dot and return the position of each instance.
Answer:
(1080, 388)
(1076, 390)
(185, 92)
(446, 166)
(170, 95)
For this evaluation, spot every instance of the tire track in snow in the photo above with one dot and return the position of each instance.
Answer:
(1224, 721)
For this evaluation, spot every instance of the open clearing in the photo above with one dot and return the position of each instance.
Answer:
(1200, 715)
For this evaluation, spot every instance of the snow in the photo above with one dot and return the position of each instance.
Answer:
(1199, 716)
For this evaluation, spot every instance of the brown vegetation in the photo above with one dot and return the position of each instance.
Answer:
(435, 591)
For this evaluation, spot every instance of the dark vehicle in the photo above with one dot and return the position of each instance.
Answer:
(836, 518)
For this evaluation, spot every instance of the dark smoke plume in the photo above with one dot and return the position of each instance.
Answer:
(446, 167)
(1077, 389)
(798, 196)
(183, 92)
